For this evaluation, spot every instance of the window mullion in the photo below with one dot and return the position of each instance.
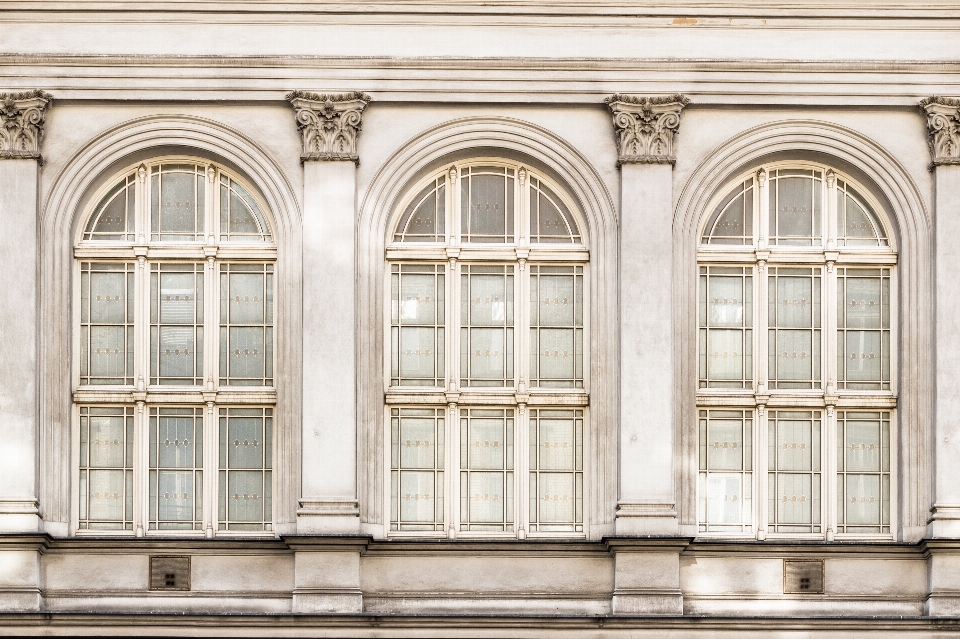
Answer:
(211, 448)
(141, 470)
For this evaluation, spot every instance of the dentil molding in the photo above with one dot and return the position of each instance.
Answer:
(943, 129)
(21, 123)
(646, 127)
(329, 124)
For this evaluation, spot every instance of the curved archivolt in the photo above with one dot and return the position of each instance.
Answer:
(486, 198)
(175, 198)
(796, 209)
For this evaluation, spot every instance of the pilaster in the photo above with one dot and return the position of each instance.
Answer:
(21, 128)
(943, 129)
(646, 129)
(329, 125)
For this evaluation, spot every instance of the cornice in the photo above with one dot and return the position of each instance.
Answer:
(21, 123)
(943, 129)
(329, 123)
(645, 127)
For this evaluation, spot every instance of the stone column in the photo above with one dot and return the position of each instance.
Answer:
(645, 132)
(329, 125)
(21, 126)
(943, 127)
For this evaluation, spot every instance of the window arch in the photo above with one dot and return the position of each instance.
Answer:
(796, 395)
(174, 380)
(487, 388)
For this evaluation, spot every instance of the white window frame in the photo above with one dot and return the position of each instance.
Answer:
(520, 397)
(760, 256)
(210, 396)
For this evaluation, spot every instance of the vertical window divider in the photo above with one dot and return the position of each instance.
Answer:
(141, 206)
(763, 205)
(141, 472)
(451, 475)
(829, 463)
(211, 210)
(760, 486)
(211, 450)
(211, 330)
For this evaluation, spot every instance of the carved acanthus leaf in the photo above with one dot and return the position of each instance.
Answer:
(329, 124)
(943, 128)
(646, 127)
(21, 123)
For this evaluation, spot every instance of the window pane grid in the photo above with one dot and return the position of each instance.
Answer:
(176, 468)
(106, 323)
(550, 220)
(246, 324)
(487, 204)
(863, 472)
(486, 325)
(726, 463)
(176, 324)
(177, 193)
(417, 325)
(106, 468)
(857, 224)
(556, 326)
(796, 206)
(863, 329)
(725, 327)
(794, 333)
(424, 219)
(245, 469)
(115, 216)
(793, 471)
(732, 221)
(241, 219)
(486, 469)
(556, 470)
(416, 469)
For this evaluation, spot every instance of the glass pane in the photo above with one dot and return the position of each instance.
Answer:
(114, 216)
(240, 216)
(795, 208)
(487, 300)
(725, 446)
(424, 218)
(487, 462)
(550, 220)
(794, 465)
(863, 356)
(245, 490)
(417, 319)
(106, 323)
(732, 221)
(417, 437)
(487, 204)
(246, 323)
(725, 317)
(106, 456)
(857, 224)
(177, 207)
(794, 337)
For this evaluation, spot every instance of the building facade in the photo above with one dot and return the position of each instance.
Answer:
(458, 319)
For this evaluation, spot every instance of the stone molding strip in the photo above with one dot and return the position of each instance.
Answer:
(646, 127)
(943, 129)
(329, 124)
(21, 123)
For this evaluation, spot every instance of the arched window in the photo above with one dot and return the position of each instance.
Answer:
(797, 320)
(486, 391)
(174, 383)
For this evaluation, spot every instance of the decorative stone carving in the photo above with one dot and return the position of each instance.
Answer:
(329, 124)
(943, 129)
(21, 123)
(646, 127)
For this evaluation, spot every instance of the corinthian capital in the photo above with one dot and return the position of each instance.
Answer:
(21, 123)
(329, 124)
(943, 129)
(646, 127)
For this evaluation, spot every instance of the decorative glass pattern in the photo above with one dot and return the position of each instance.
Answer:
(486, 469)
(425, 217)
(416, 468)
(241, 219)
(726, 471)
(106, 323)
(863, 328)
(796, 206)
(556, 326)
(487, 204)
(550, 219)
(486, 325)
(794, 335)
(246, 324)
(857, 224)
(177, 197)
(732, 221)
(245, 475)
(176, 468)
(114, 218)
(726, 321)
(417, 316)
(176, 324)
(863, 472)
(106, 468)
(793, 471)
(556, 470)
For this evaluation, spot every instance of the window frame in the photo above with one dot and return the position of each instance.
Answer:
(758, 398)
(210, 252)
(453, 398)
